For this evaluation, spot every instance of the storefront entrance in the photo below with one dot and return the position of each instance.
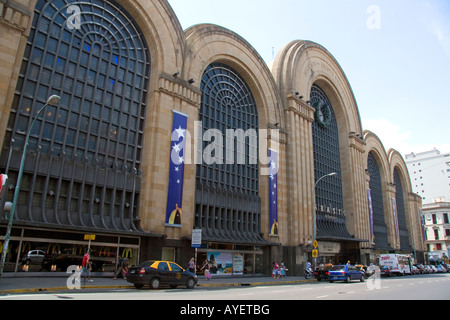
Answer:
(231, 260)
(42, 250)
(338, 253)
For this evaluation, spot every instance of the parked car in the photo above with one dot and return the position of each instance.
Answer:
(433, 269)
(441, 269)
(321, 273)
(415, 270)
(447, 266)
(34, 257)
(386, 271)
(156, 273)
(345, 273)
(421, 268)
(368, 271)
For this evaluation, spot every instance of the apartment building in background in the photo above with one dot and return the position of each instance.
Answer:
(437, 230)
(430, 175)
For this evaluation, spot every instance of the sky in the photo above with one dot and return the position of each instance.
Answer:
(395, 54)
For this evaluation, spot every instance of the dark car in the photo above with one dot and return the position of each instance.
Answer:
(156, 273)
(321, 273)
(345, 273)
(386, 271)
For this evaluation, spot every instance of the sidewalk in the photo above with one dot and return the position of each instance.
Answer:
(58, 283)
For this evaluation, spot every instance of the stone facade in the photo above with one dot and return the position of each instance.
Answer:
(178, 61)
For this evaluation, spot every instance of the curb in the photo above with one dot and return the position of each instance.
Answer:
(56, 289)
(222, 284)
(254, 284)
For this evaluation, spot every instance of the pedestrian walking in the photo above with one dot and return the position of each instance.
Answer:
(275, 270)
(283, 269)
(191, 265)
(206, 270)
(86, 266)
(122, 269)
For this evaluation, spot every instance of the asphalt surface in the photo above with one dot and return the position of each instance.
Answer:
(59, 282)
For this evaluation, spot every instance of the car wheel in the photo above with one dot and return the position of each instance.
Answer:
(348, 279)
(362, 279)
(154, 283)
(331, 281)
(190, 283)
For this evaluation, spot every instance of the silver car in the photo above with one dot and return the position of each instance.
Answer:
(34, 257)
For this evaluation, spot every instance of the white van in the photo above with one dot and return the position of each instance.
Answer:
(395, 264)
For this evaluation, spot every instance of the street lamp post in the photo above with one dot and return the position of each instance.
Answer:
(333, 174)
(52, 100)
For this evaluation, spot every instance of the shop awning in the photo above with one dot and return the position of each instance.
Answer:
(333, 228)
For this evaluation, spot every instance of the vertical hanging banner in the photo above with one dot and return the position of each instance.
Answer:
(176, 174)
(422, 224)
(273, 192)
(397, 231)
(372, 231)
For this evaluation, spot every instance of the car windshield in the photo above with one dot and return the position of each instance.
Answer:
(147, 264)
(336, 268)
(326, 267)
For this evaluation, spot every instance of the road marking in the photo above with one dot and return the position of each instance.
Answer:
(304, 289)
(322, 297)
(20, 296)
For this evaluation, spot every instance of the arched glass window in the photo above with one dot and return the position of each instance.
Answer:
(329, 197)
(401, 215)
(379, 224)
(227, 194)
(84, 165)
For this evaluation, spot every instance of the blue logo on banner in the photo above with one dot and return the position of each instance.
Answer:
(176, 174)
(273, 192)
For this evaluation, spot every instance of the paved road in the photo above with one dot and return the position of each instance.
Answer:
(423, 287)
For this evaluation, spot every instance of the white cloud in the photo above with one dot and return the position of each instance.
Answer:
(394, 137)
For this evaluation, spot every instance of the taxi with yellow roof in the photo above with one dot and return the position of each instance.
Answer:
(157, 273)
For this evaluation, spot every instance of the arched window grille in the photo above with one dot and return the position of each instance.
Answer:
(84, 163)
(379, 223)
(401, 214)
(331, 223)
(228, 206)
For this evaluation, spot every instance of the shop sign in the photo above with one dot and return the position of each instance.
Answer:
(196, 238)
(90, 237)
(238, 264)
(329, 248)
